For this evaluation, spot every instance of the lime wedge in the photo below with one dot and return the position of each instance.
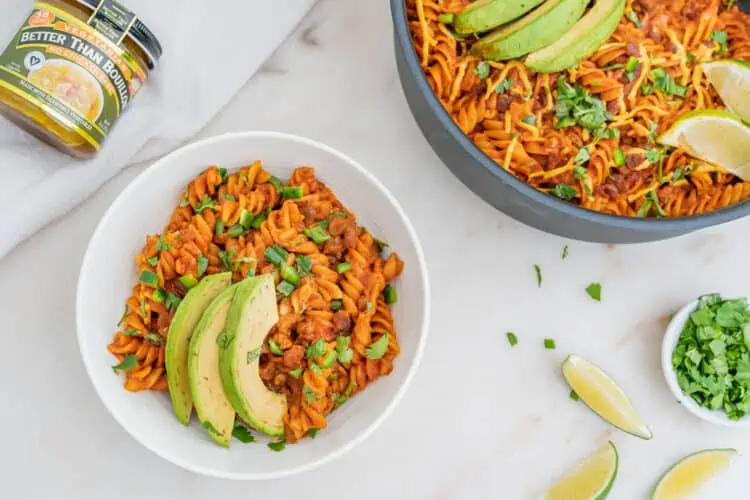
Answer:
(591, 479)
(690, 473)
(731, 79)
(715, 136)
(603, 396)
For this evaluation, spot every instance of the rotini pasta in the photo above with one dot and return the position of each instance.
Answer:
(335, 332)
(640, 81)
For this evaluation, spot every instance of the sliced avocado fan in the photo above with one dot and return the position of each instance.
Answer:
(484, 15)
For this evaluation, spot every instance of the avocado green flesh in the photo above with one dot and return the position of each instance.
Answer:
(538, 29)
(251, 316)
(484, 15)
(587, 35)
(178, 340)
(211, 404)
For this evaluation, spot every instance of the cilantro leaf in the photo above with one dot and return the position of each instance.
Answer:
(316, 349)
(128, 362)
(504, 86)
(278, 445)
(206, 202)
(377, 349)
(538, 271)
(564, 192)
(595, 291)
(512, 339)
(242, 433)
(482, 70)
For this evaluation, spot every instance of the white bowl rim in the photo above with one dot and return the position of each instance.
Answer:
(671, 336)
(133, 431)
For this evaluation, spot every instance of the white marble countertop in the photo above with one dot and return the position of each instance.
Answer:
(481, 420)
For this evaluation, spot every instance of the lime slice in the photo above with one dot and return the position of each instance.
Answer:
(690, 473)
(591, 479)
(731, 79)
(603, 396)
(715, 136)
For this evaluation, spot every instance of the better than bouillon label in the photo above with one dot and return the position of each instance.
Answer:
(75, 71)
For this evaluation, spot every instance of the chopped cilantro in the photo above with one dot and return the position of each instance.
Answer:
(575, 106)
(336, 304)
(304, 264)
(153, 338)
(153, 261)
(512, 339)
(564, 191)
(580, 172)
(128, 362)
(574, 395)
(161, 246)
(529, 119)
(172, 301)
(242, 433)
(721, 38)
(316, 349)
(202, 264)
(309, 394)
(252, 355)
(205, 203)
(377, 349)
(278, 445)
(549, 343)
(633, 18)
(228, 197)
(663, 81)
(595, 291)
(482, 70)
(538, 271)
(565, 252)
(712, 355)
(582, 156)
(504, 86)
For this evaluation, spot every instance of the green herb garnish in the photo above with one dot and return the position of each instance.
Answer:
(317, 234)
(582, 156)
(377, 349)
(148, 277)
(274, 347)
(595, 291)
(663, 81)
(242, 433)
(296, 372)
(482, 70)
(618, 157)
(574, 395)
(336, 304)
(161, 246)
(292, 192)
(344, 267)
(721, 38)
(512, 339)
(309, 394)
(564, 191)
(228, 197)
(564, 252)
(172, 302)
(128, 362)
(712, 355)
(285, 288)
(235, 231)
(153, 338)
(633, 18)
(504, 86)
(276, 183)
(159, 295)
(389, 294)
(304, 264)
(153, 261)
(206, 202)
(344, 352)
(647, 89)
(316, 349)
(252, 355)
(278, 445)
(549, 343)
(575, 106)
(529, 119)
(202, 264)
(538, 271)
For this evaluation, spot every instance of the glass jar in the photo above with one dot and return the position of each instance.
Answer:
(72, 69)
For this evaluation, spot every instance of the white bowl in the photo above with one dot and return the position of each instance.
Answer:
(108, 273)
(671, 336)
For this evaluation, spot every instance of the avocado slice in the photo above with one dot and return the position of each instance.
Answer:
(178, 340)
(251, 316)
(537, 29)
(211, 404)
(592, 30)
(484, 15)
